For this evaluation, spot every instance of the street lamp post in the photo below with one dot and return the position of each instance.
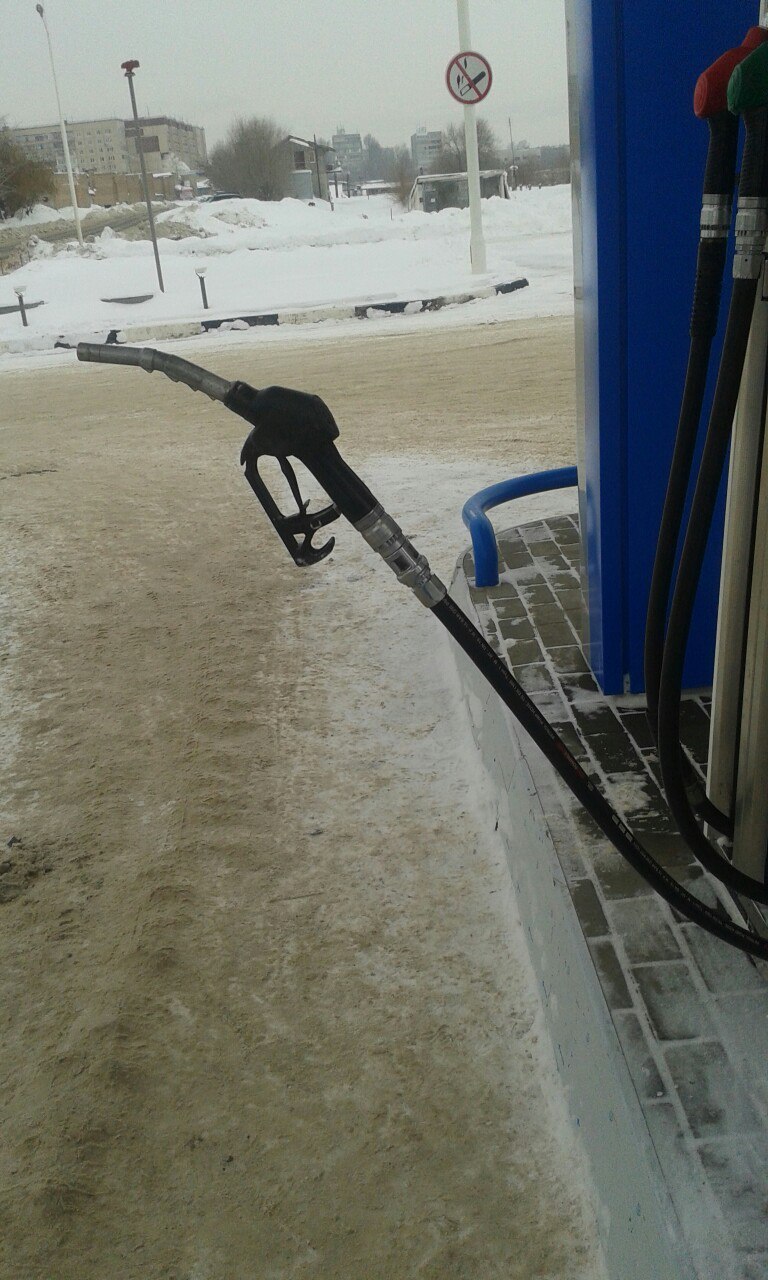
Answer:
(19, 291)
(64, 142)
(200, 273)
(476, 240)
(129, 68)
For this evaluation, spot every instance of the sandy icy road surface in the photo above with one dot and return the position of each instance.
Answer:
(264, 1012)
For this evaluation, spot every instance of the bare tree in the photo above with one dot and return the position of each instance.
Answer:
(453, 156)
(22, 181)
(253, 160)
(399, 168)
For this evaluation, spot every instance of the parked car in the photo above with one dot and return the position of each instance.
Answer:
(221, 195)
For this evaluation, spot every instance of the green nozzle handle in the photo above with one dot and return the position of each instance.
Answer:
(748, 86)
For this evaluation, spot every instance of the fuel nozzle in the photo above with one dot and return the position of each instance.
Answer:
(748, 97)
(710, 96)
(748, 84)
(710, 103)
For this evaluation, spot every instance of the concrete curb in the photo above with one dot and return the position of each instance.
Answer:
(637, 1221)
(166, 330)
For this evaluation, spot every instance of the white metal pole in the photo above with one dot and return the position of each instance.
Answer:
(64, 143)
(476, 240)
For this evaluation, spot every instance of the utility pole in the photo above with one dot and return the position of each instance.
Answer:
(512, 150)
(129, 68)
(64, 142)
(476, 240)
(317, 167)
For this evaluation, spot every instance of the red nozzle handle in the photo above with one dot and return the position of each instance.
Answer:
(711, 92)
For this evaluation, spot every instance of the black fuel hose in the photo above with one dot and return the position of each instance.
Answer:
(711, 261)
(719, 178)
(681, 612)
(748, 260)
(556, 752)
(292, 424)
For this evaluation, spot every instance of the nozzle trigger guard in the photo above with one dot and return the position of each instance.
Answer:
(297, 529)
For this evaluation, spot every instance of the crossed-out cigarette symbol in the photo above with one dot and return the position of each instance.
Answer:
(468, 77)
(464, 81)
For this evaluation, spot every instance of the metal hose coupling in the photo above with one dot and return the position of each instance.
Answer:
(384, 535)
(715, 217)
(751, 228)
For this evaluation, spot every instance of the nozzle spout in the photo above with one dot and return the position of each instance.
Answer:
(148, 358)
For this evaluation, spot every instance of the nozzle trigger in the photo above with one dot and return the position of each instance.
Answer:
(298, 528)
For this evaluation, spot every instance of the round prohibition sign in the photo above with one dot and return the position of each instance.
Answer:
(469, 78)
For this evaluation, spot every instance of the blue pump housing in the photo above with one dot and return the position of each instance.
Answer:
(638, 160)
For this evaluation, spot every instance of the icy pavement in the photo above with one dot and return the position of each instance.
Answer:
(269, 996)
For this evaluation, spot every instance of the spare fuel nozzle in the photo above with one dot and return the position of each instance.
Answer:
(748, 85)
(748, 97)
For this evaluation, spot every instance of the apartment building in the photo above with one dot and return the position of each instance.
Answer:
(163, 137)
(97, 145)
(109, 145)
(426, 146)
(349, 151)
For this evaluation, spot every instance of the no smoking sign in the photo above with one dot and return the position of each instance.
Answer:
(469, 78)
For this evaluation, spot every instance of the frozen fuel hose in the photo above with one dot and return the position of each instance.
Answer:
(291, 424)
(710, 103)
(747, 95)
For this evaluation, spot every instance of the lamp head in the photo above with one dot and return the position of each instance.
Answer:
(19, 289)
(130, 66)
(200, 271)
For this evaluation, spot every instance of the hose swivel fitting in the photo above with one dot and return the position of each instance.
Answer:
(384, 535)
(715, 216)
(751, 228)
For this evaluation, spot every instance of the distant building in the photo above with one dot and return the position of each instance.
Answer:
(426, 146)
(309, 178)
(163, 137)
(109, 145)
(350, 152)
(99, 145)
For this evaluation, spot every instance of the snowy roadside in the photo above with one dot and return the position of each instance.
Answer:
(267, 257)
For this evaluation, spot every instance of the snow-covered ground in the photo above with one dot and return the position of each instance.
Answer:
(289, 255)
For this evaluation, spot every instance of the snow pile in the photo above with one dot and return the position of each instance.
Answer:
(37, 214)
(288, 255)
(290, 222)
(40, 213)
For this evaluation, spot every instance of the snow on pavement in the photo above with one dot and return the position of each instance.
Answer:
(370, 1003)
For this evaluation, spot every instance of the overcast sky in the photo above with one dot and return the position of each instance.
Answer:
(373, 66)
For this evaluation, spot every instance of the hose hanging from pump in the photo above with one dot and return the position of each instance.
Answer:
(747, 94)
(290, 424)
(710, 103)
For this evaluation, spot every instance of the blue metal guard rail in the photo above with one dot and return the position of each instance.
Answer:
(484, 548)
